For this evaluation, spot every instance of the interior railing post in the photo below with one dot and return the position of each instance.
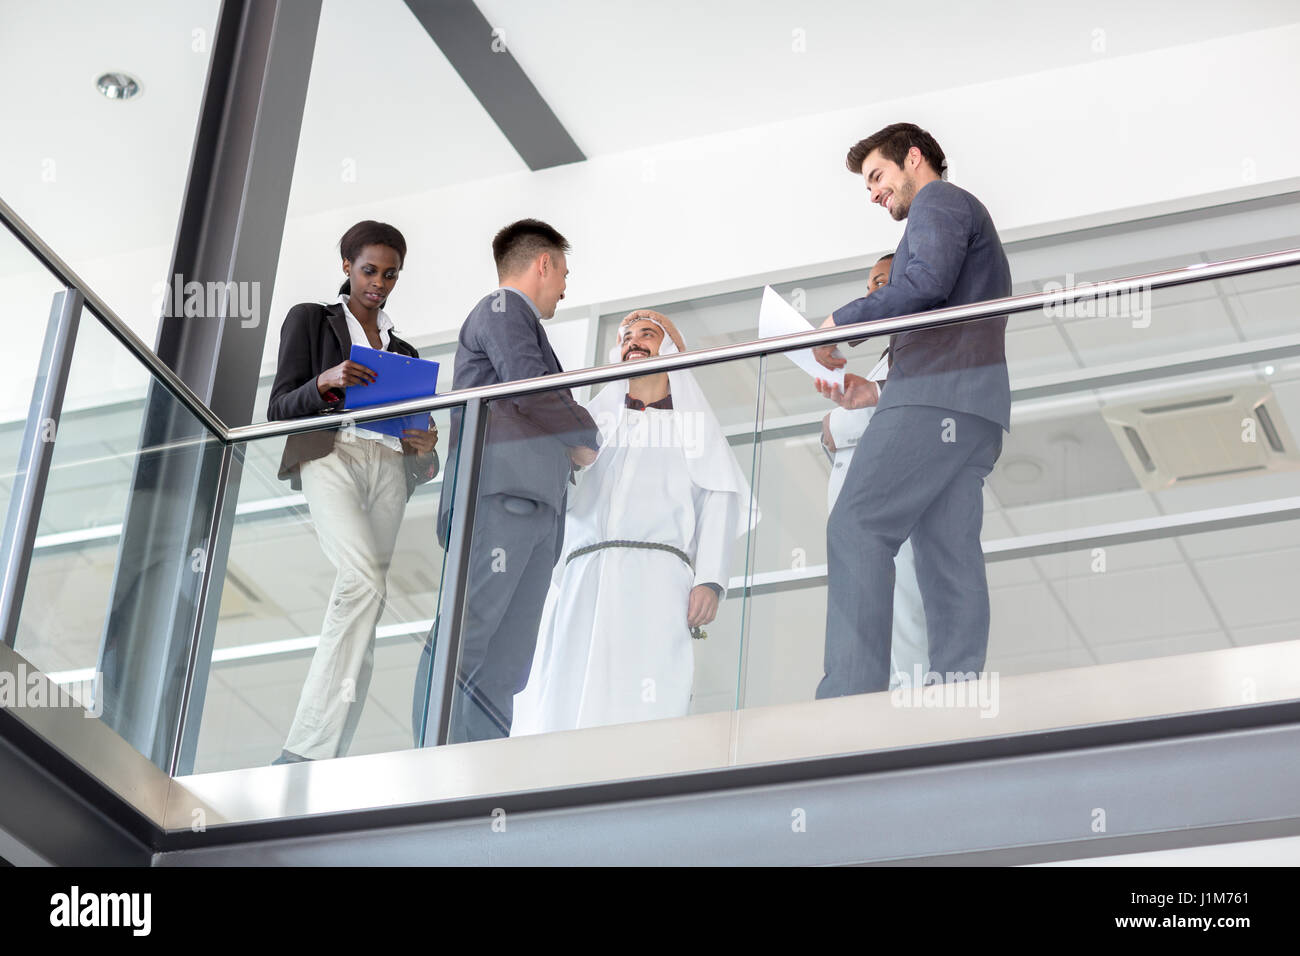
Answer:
(34, 456)
(185, 740)
(751, 537)
(460, 532)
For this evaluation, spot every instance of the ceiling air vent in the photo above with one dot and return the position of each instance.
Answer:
(1220, 434)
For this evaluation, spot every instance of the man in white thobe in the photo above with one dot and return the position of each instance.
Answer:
(649, 535)
(909, 651)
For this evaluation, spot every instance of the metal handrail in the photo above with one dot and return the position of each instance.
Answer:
(781, 343)
(937, 318)
(112, 321)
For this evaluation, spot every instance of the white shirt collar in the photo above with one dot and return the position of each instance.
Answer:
(384, 323)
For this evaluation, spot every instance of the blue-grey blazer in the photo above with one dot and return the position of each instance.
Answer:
(950, 255)
(526, 448)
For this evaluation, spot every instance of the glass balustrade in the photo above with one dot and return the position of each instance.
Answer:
(607, 539)
(78, 540)
(315, 574)
(86, 573)
(1142, 506)
(654, 547)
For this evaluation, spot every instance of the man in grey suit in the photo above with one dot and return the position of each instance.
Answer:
(531, 447)
(936, 433)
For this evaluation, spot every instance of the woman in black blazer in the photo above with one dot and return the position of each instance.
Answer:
(356, 481)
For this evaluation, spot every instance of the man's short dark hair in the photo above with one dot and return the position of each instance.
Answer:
(893, 142)
(885, 258)
(521, 242)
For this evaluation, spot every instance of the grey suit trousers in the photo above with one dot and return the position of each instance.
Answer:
(511, 559)
(918, 473)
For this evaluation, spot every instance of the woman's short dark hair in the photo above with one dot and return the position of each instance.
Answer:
(370, 233)
(893, 142)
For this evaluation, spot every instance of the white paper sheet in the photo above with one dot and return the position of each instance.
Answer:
(778, 317)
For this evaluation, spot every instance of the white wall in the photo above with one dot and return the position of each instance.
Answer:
(1084, 141)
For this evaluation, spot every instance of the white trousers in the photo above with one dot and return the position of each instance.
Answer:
(357, 496)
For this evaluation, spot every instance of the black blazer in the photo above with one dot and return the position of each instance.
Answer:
(315, 337)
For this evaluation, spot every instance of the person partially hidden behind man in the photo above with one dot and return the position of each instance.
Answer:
(647, 550)
(532, 446)
(919, 469)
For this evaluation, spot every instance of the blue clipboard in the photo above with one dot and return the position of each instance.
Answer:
(398, 377)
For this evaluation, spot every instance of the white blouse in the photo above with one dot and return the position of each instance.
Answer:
(359, 337)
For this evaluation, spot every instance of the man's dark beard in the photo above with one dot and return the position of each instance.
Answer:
(902, 203)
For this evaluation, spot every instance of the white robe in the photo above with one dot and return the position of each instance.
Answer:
(614, 646)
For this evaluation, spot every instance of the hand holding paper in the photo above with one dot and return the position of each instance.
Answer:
(856, 392)
(778, 317)
(829, 356)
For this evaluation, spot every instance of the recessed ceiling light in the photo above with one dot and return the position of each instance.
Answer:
(118, 86)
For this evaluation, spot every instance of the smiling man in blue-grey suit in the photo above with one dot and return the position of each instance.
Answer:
(532, 445)
(919, 469)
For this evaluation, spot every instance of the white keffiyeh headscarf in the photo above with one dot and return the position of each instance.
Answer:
(694, 426)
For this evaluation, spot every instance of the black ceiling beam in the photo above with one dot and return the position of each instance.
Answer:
(493, 75)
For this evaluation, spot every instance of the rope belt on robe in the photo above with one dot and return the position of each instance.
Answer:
(696, 632)
(641, 545)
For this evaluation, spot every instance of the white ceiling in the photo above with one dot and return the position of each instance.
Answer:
(620, 76)
(623, 75)
(393, 106)
(119, 166)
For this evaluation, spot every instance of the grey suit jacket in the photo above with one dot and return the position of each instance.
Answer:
(526, 448)
(950, 255)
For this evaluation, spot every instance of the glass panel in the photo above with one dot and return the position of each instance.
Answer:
(1146, 443)
(1176, 595)
(1206, 315)
(596, 628)
(330, 593)
(1120, 602)
(78, 569)
(584, 635)
(1093, 459)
